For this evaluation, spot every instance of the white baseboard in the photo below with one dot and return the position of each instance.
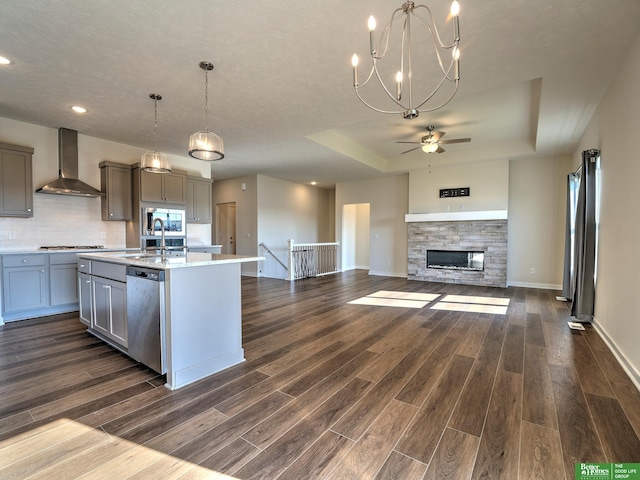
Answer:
(543, 286)
(634, 375)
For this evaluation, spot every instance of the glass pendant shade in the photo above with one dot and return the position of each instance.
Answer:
(155, 162)
(206, 146)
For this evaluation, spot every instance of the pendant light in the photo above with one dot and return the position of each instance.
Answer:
(206, 145)
(155, 162)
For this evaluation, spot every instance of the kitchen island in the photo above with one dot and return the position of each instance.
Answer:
(199, 304)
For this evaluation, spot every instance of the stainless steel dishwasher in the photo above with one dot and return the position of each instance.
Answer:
(146, 317)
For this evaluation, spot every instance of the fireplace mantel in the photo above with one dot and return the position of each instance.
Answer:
(456, 216)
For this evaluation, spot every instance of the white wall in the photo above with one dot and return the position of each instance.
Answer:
(349, 235)
(388, 199)
(488, 181)
(537, 205)
(355, 241)
(226, 191)
(272, 211)
(363, 235)
(614, 130)
(288, 210)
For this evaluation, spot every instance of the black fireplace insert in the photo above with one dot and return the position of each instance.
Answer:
(455, 260)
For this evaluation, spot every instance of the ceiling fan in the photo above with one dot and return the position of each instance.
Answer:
(431, 142)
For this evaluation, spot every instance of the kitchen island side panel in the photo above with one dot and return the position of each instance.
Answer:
(203, 321)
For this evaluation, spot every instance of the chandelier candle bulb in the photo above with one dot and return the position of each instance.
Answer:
(354, 63)
(399, 86)
(372, 27)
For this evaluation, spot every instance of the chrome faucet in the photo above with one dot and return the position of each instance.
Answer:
(163, 244)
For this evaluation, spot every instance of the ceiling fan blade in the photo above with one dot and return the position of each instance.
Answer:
(455, 140)
(437, 135)
(440, 149)
(417, 143)
(411, 150)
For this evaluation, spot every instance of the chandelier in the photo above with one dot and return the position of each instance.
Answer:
(155, 161)
(206, 145)
(403, 92)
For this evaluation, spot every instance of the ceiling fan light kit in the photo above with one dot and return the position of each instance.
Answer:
(431, 143)
(206, 145)
(410, 108)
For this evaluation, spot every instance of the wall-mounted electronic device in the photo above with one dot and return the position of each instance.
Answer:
(455, 192)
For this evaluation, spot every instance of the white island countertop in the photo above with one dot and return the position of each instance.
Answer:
(170, 260)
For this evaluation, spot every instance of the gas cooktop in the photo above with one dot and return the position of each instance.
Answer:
(72, 247)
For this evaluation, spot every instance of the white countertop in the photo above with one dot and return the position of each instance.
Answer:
(27, 251)
(159, 262)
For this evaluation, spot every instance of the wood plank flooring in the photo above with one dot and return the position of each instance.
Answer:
(329, 390)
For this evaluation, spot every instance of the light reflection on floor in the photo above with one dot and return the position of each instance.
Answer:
(477, 304)
(459, 303)
(72, 446)
(386, 298)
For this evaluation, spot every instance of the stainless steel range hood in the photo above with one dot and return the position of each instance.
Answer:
(67, 182)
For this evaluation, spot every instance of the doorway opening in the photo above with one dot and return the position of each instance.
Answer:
(226, 227)
(355, 236)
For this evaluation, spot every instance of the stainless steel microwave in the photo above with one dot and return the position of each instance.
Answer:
(175, 222)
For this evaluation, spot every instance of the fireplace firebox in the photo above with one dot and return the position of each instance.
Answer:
(455, 260)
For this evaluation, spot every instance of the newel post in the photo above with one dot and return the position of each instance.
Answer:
(290, 260)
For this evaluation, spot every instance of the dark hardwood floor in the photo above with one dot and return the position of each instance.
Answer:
(461, 389)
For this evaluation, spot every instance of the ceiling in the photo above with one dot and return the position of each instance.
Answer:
(281, 95)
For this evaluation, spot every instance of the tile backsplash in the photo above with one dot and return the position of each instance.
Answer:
(67, 220)
(61, 220)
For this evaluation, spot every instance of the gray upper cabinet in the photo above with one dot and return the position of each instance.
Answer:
(16, 182)
(198, 200)
(115, 181)
(163, 187)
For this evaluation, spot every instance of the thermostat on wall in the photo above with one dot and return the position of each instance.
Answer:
(455, 192)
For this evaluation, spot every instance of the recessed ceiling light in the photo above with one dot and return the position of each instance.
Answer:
(313, 183)
(4, 61)
(78, 109)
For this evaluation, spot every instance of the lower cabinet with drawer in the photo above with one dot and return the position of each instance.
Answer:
(24, 283)
(38, 284)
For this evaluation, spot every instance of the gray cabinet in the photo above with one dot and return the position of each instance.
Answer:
(63, 284)
(198, 195)
(16, 183)
(63, 269)
(38, 284)
(25, 285)
(84, 298)
(115, 182)
(162, 187)
(109, 302)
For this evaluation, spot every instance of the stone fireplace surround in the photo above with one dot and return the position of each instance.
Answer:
(478, 231)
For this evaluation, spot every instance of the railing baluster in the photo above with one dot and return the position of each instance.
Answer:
(313, 259)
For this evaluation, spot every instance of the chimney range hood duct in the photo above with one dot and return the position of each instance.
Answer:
(67, 182)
